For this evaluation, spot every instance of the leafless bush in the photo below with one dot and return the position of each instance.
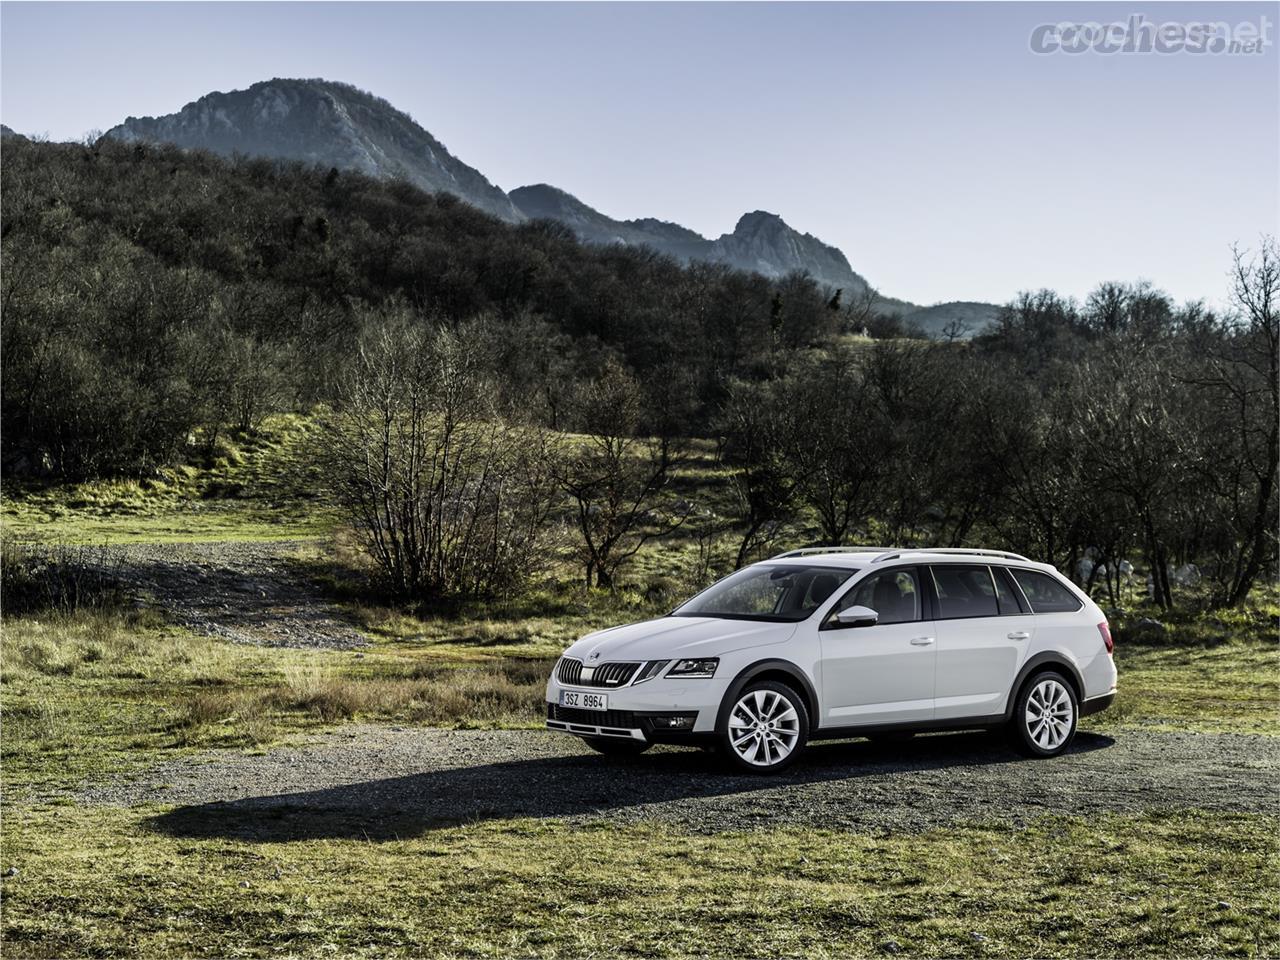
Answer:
(450, 501)
(61, 579)
(615, 477)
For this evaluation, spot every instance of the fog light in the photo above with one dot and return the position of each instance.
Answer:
(679, 722)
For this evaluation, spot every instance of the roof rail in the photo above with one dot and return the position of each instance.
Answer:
(808, 551)
(960, 551)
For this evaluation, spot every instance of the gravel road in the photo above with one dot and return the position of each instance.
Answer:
(243, 592)
(382, 782)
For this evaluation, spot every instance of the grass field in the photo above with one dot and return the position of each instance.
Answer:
(108, 692)
(253, 487)
(102, 691)
(103, 882)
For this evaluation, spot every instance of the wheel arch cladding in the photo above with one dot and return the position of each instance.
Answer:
(780, 671)
(1040, 663)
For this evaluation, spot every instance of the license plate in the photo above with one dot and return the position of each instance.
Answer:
(584, 701)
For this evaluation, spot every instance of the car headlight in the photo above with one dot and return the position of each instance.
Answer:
(691, 669)
(650, 670)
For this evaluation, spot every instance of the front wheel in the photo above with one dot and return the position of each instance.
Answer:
(617, 746)
(765, 729)
(1044, 716)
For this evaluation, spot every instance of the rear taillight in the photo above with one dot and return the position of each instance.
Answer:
(1106, 636)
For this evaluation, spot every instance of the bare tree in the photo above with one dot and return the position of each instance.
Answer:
(450, 501)
(755, 429)
(833, 440)
(1238, 369)
(616, 478)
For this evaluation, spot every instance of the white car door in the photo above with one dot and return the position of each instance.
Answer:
(882, 673)
(983, 638)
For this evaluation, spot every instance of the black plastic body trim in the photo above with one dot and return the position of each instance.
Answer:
(748, 674)
(629, 720)
(1041, 661)
(1096, 704)
(909, 726)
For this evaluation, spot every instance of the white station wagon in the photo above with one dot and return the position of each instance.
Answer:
(840, 642)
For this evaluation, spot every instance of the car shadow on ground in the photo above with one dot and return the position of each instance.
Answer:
(578, 785)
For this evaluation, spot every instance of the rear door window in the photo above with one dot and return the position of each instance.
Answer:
(1045, 594)
(1007, 594)
(965, 591)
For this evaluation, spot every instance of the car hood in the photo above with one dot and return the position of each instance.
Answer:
(669, 637)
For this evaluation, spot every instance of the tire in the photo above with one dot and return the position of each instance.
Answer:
(617, 746)
(765, 728)
(1044, 715)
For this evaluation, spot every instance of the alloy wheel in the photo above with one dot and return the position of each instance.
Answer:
(764, 727)
(1049, 714)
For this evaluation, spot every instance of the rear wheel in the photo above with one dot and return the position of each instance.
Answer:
(765, 729)
(1044, 716)
(617, 746)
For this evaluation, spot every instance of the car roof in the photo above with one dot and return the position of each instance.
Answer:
(860, 557)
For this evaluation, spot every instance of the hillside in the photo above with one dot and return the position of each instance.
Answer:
(760, 242)
(325, 123)
(336, 125)
(177, 280)
(967, 318)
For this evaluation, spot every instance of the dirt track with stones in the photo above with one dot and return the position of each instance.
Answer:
(243, 592)
(382, 782)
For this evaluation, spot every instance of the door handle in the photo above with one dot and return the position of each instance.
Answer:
(921, 641)
(1019, 635)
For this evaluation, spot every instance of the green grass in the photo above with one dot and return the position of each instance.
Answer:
(250, 487)
(102, 692)
(109, 882)
(1230, 688)
(106, 692)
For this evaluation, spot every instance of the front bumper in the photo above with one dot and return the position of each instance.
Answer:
(673, 725)
(640, 711)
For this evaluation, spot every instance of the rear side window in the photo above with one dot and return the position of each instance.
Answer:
(965, 591)
(1046, 594)
(1007, 594)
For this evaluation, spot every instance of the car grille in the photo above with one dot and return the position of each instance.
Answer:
(621, 719)
(605, 675)
(570, 671)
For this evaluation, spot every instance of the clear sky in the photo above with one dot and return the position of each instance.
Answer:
(925, 140)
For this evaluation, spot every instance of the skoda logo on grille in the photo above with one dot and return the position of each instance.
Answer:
(594, 656)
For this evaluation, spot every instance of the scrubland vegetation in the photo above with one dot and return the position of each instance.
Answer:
(494, 439)
(508, 382)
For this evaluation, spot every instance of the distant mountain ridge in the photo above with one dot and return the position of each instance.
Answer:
(325, 123)
(333, 124)
(761, 242)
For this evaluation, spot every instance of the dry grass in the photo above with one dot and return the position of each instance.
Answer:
(96, 691)
(437, 694)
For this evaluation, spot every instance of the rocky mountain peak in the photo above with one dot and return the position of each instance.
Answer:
(760, 221)
(326, 123)
(334, 124)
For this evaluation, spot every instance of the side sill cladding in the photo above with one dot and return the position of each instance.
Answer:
(1039, 662)
(793, 673)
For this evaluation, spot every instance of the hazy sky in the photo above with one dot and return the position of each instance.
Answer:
(926, 141)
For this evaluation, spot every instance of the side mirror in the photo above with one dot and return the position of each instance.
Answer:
(857, 617)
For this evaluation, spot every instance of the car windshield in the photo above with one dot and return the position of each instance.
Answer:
(785, 593)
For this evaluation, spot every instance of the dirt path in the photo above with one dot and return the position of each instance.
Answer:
(242, 592)
(380, 782)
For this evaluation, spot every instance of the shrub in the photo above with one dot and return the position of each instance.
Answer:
(60, 579)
